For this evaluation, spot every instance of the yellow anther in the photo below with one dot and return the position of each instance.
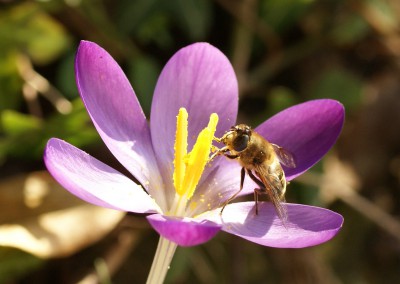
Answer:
(198, 157)
(188, 168)
(180, 148)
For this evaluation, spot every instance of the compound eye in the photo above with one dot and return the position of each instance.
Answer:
(240, 142)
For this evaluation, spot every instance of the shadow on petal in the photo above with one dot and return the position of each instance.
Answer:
(220, 182)
(306, 225)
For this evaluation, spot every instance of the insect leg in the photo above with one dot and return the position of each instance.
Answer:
(256, 199)
(256, 180)
(257, 191)
(218, 152)
(275, 188)
(242, 175)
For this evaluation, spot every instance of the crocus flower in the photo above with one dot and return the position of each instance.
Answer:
(178, 191)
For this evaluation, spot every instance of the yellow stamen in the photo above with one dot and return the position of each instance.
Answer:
(189, 167)
(199, 156)
(180, 149)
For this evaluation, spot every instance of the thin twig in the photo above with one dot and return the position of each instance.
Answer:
(113, 259)
(36, 84)
(350, 196)
(242, 47)
(251, 20)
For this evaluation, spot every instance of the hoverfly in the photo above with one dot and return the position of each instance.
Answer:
(261, 160)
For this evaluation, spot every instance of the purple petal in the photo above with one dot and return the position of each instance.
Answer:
(306, 225)
(116, 113)
(307, 130)
(93, 181)
(201, 79)
(184, 231)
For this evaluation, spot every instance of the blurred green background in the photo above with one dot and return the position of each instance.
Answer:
(284, 52)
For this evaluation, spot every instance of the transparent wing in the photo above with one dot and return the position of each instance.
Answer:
(285, 157)
(274, 189)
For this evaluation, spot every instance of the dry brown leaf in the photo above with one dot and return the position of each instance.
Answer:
(60, 233)
(27, 195)
(339, 178)
(40, 217)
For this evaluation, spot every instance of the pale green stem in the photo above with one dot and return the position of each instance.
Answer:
(162, 259)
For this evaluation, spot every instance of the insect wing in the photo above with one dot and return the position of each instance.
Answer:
(285, 157)
(273, 188)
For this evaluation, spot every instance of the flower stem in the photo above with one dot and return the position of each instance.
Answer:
(162, 259)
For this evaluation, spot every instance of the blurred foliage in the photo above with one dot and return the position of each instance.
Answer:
(14, 263)
(340, 85)
(34, 132)
(283, 15)
(27, 28)
(284, 52)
